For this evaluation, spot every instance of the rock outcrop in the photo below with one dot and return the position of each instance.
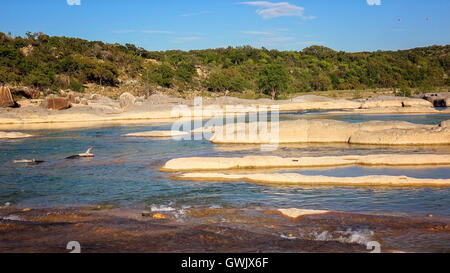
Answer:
(386, 101)
(56, 103)
(313, 180)
(395, 136)
(6, 99)
(331, 131)
(13, 135)
(437, 99)
(264, 162)
(160, 108)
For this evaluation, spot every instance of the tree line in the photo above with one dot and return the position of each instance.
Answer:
(51, 63)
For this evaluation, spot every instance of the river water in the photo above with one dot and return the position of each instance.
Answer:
(125, 173)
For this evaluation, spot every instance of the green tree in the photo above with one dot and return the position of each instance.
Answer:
(163, 75)
(404, 91)
(185, 71)
(273, 78)
(228, 79)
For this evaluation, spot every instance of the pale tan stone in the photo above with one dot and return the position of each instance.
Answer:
(319, 180)
(445, 124)
(295, 213)
(332, 131)
(160, 109)
(385, 101)
(395, 136)
(255, 162)
(13, 135)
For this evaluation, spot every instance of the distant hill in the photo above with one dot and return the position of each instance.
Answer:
(53, 63)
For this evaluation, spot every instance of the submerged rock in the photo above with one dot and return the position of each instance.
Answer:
(162, 134)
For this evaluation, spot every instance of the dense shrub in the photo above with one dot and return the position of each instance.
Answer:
(48, 62)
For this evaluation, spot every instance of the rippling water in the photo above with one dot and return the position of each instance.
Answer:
(125, 173)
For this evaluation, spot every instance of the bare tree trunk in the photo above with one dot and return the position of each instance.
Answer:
(274, 93)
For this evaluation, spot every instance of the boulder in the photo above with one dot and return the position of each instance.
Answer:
(27, 93)
(6, 99)
(126, 100)
(438, 99)
(71, 97)
(56, 103)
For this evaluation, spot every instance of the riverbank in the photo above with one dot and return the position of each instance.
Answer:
(159, 108)
(232, 230)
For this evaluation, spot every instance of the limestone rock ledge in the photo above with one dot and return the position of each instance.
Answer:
(14, 135)
(254, 162)
(319, 180)
(332, 131)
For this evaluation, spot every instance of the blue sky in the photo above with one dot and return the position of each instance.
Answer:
(349, 25)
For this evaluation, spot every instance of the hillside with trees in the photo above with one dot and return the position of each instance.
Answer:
(51, 63)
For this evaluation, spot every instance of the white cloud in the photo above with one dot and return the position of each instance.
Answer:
(374, 2)
(252, 32)
(74, 2)
(268, 10)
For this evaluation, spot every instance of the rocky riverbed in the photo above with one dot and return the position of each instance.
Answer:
(103, 229)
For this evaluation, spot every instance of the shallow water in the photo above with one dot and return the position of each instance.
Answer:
(125, 173)
(356, 118)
